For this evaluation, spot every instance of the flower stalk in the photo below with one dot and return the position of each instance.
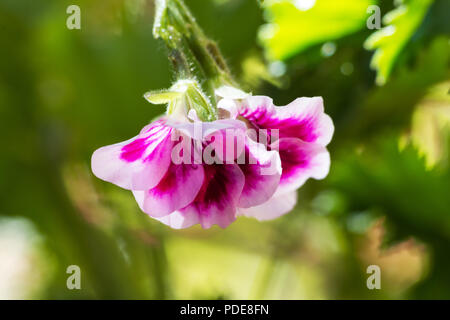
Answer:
(193, 55)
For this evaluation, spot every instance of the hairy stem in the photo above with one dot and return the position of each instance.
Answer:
(191, 53)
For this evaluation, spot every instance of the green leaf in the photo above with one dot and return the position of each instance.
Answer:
(401, 24)
(292, 29)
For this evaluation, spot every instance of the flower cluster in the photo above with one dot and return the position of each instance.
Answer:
(219, 152)
(249, 161)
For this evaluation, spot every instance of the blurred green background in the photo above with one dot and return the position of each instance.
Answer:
(65, 93)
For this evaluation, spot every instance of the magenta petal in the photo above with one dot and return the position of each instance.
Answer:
(300, 161)
(177, 189)
(216, 202)
(304, 118)
(176, 219)
(262, 171)
(136, 164)
(274, 208)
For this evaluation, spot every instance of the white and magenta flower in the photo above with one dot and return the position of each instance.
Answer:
(183, 171)
(299, 132)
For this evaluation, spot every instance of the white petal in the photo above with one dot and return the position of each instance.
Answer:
(272, 209)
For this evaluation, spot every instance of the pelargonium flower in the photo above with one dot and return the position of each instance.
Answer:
(219, 152)
(299, 131)
(183, 193)
(234, 181)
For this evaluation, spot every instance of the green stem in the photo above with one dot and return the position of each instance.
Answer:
(192, 54)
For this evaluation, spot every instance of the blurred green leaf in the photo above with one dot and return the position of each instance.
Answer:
(430, 128)
(388, 42)
(396, 181)
(296, 25)
(415, 200)
(380, 111)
